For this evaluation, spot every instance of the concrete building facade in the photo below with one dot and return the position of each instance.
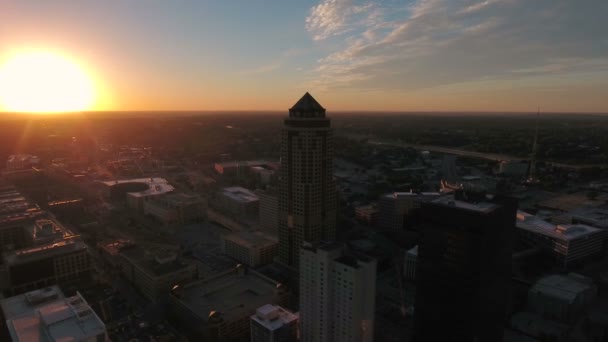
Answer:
(250, 248)
(272, 323)
(307, 190)
(337, 294)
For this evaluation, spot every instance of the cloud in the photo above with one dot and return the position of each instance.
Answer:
(262, 69)
(430, 43)
(332, 17)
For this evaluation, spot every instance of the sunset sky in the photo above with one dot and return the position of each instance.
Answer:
(416, 55)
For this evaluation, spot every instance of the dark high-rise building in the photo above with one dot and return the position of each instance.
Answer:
(464, 268)
(307, 192)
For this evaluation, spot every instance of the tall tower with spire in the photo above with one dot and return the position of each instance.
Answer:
(307, 191)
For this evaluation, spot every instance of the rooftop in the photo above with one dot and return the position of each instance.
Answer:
(45, 231)
(413, 251)
(72, 243)
(567, 232)
(155, 263)
(482, 207)
(233, 294)
(240, 194)
(566, 287)
(570, 202)
(273, 317)
(252, 239)
(416, 195)
(155, 185)
(248, 163)
(307, 104)
(51, 317)
(596, 217)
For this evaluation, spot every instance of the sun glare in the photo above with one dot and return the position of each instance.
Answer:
(44, 82)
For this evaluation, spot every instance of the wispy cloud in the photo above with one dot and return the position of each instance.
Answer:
(276, 64)
(262, 69)
(439, 42)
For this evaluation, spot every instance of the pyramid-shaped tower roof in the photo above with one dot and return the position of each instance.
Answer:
(307, 106)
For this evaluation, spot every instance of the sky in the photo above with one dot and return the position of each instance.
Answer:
(384, 55)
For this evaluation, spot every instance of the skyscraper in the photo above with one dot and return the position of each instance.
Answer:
(337, 294)
(307, 192)
(464, 268)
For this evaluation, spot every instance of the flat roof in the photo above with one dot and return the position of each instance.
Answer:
(566, 232)
(597, 217)
(155, 263)
(57, 319)
(64, 246)
(240, 194)
(252, 239)
(483, 207)
(23, 304)
(570, 202)
(156, 186)
(233, 294)
(273, 317)
(245, 163)
(566, 287)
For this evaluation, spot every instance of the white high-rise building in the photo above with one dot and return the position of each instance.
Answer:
(307, 191)
(337, 295)
(272, 323)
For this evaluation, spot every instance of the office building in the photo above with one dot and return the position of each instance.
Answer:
(568, 243)
(57, 257)
(16, 212)
(219, 307)
(45, 315)
(272, 323)
(393, 208)
(250, 248)
(174, 208)
(562, 297)
(21, 161)
(137, 191)
(154, 273)
(410, 262)
(337, 294)
(367, 214)
(464, 267)
(269, 212)
(239, 201)
(307, 190)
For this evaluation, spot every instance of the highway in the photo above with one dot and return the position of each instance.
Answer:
(474, 154)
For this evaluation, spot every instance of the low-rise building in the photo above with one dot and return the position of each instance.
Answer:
(561, 297)
(251, 248)
(272, 323)
(367, 214)
(569, 243)
(154, 273)
(45, 315)
(137, 191)
(57, 262)
(175, 208)
(220, 307)
(16, 212)
(239, 201)
(393, 208)
(21, 161)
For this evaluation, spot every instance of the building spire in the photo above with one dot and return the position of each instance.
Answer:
(307, 107)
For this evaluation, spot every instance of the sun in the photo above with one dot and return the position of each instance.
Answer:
(44, 82)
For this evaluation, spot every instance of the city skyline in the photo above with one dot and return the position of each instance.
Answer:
(353, 55)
